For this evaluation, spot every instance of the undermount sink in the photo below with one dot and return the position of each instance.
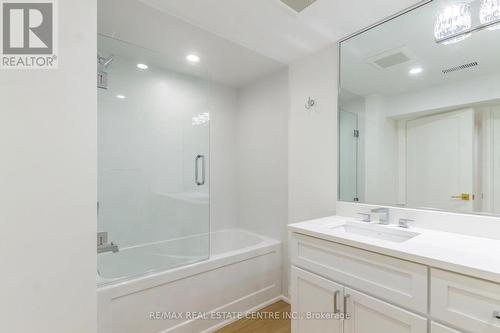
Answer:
(376, 231)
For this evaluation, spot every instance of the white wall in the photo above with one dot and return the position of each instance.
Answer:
(48, 185)
(313, 137)
(312, 176)
(262, 158)
(262, 155)
(287, 156)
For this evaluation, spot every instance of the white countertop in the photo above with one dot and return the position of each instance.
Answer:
(474, 256)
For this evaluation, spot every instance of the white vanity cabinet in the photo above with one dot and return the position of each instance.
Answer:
(314, 296)
(384, 294)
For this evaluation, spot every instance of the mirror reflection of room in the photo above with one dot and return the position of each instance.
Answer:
(420, 112)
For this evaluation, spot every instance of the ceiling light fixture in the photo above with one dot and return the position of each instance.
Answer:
(120, 96)
(490, 13)
(193, 58)
(142, 66)
(416, 70)
(453, 24)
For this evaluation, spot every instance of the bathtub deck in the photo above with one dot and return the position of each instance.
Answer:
(280, 325)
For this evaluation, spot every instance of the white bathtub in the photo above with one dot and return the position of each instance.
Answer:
(243, 273)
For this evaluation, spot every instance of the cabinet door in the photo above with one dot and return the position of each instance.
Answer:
(370, 315)
(314, 295)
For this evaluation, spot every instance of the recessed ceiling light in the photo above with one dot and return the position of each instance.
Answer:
(142, 66)
(416, 70)
(193, 58)
(120, 96)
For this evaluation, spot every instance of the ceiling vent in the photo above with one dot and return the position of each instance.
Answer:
(461, 67)
(392, 58)
(298, 5)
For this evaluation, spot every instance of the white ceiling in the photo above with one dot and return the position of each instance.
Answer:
(166, 40)
(415, 31)
(239, 41)
(272, 29)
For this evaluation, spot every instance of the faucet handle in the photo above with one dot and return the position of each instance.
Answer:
(405, 223)
(365, 217)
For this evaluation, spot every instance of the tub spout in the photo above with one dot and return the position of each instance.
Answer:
(111, 247)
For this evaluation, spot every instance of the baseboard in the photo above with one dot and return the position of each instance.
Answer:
(285, 299)
(254, 309)
(263, 298)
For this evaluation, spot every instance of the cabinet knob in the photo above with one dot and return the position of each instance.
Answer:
(496, 314)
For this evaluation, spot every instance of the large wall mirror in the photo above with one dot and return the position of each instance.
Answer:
(419, 109)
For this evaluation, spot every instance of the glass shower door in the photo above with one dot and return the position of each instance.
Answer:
(153, 164)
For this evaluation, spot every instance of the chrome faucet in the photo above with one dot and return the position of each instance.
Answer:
(102, 244)
(383, 214)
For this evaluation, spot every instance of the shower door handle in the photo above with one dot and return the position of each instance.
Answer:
(197, 172)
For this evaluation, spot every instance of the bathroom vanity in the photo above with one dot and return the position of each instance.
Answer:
(387, 279)
(419, 139)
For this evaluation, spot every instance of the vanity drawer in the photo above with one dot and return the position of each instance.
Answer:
(465, 302)
(397, 281)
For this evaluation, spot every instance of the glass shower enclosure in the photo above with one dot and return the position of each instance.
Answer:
(153, 162)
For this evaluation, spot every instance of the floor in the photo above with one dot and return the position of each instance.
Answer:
(276, 324)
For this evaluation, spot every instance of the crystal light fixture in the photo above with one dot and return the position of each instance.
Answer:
(454, 20)
(490, 13)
